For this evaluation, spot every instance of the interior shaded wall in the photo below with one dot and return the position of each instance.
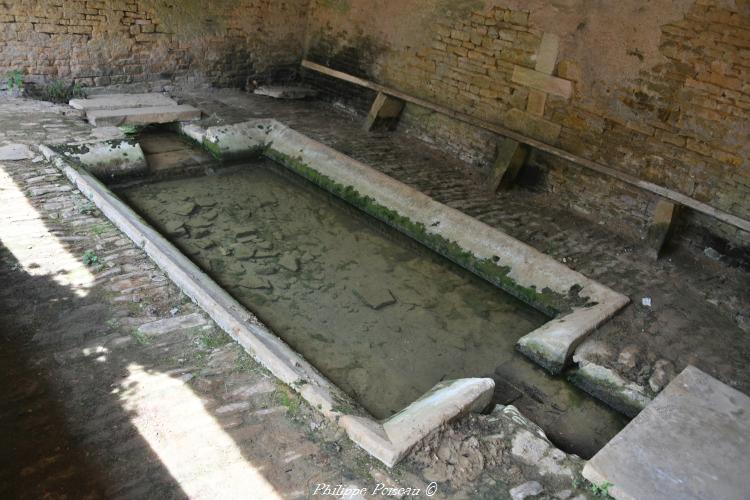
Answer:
(112, 42)
(660, 90)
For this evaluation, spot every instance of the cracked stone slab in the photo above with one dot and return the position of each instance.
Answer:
(691, 442)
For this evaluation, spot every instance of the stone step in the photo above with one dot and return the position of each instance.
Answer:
(122, 101)
(143, 116)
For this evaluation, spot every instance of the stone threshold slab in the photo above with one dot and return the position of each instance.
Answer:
(142, 116)
(121, 101)
(691, 442)
(579, 305)
(388, 441)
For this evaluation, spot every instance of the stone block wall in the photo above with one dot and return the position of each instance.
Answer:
(660, 90)
(113, 42)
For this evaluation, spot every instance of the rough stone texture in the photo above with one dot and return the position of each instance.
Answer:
(692, 442)
(528, 489)
(461, 455)
(663, 96)
(117, 42)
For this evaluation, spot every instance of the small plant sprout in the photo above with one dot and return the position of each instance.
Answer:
(90, 258)
(61, 92)
(601, 490)
(15, 80)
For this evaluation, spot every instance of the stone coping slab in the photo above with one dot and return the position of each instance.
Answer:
(691, 442)
(121, 101)
(578, 304)
(143, 116)
(388, 441)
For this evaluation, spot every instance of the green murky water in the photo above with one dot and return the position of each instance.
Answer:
(382, 317)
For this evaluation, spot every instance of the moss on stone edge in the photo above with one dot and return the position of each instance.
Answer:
(612, 392)
(547, 301)
(214, 148)
(540, 354)
(75, 150)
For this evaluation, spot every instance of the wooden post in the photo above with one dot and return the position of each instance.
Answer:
(661, 227)
(509, 159)
(384, 112)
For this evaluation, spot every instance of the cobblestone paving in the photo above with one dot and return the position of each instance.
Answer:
(700, 312)
(116, 386)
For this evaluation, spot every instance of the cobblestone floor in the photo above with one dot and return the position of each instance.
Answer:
(700, 312)
(114, 385)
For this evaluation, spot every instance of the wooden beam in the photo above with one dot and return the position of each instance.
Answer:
(669, 194)
(661, 227)
(546, 56)
(542, 81)
(509, 158)
(385, 112)
(537, 101)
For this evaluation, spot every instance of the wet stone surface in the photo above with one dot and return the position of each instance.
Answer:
(384, 318)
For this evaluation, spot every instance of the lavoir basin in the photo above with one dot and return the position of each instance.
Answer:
(387, 311)
(381, 316)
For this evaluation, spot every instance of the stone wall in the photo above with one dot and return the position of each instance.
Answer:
(113, 42)
(660, 90)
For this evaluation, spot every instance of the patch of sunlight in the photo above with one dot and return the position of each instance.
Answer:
(200, 456)
(37, 250)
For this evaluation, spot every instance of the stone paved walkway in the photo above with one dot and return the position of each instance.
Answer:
(116, 386)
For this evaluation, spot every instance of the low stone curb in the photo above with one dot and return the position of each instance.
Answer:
(604, 384)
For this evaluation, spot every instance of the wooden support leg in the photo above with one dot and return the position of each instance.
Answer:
(509, 159)
(384, 112)
(661, 227)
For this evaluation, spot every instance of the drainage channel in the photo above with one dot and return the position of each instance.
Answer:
(381, 316)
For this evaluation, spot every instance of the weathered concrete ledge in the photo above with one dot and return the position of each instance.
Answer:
(108, 159)
(604, 384)
(388, 441)
(579, 305)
